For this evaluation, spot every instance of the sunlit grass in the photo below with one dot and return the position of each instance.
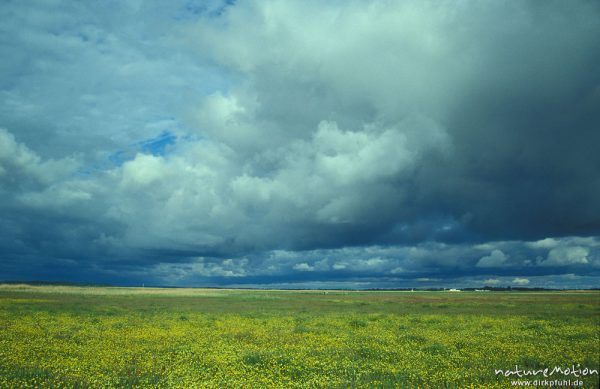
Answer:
(54, 336)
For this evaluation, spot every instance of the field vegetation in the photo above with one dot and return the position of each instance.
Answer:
(55, 336)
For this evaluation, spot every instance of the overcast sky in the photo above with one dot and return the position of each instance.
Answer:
(350, 144)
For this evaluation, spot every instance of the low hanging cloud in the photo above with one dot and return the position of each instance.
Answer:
(564, 256)
(425, 264)
(520, 281)
(283, 141)
(496, 259)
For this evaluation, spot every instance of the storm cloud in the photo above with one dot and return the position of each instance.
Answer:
(298, 143)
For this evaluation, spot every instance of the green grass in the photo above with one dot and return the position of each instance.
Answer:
(53, 336)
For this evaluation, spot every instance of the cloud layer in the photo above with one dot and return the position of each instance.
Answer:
(300, 143)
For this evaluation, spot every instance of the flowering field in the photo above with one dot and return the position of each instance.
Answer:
(54, 336)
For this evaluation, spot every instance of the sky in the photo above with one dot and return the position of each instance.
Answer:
(301, 144)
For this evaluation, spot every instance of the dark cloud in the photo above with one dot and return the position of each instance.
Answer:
(368, 143)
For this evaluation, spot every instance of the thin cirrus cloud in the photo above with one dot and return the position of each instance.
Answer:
(366, 143)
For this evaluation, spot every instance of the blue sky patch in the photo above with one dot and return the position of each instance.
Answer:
(158, 145)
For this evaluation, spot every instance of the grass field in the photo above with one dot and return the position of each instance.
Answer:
(54, 336)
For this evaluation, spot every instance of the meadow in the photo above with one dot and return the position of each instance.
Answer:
(72, 337)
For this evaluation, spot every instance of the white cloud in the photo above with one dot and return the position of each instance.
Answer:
(520, 281)
(496, 259)
(303, 267)
(567, 255)
(491, 281)
(427, 279)
(547, 243)
(142, 171)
